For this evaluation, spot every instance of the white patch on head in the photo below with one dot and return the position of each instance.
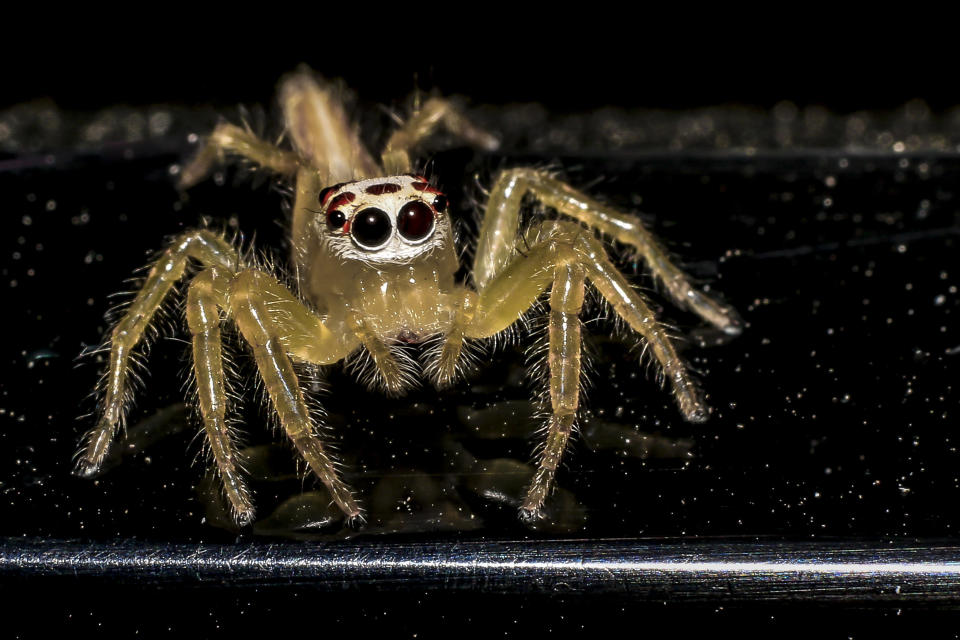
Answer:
(388, 194)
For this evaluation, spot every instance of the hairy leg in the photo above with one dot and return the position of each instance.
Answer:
(630, 306)
(500, 226)
(250, 308)
(564, 255)
(566, 301)
(229, 138)
(321, 132)
(204, 246)
(434, 113)
(206, 296)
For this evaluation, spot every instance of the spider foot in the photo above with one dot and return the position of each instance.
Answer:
(85, 469)
(531, 516)
(244, 518)
(95, 449)
(356, 521)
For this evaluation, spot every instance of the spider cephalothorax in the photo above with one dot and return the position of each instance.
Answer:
(375, 266)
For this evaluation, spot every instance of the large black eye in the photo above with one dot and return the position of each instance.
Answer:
(415, 221)
(370, 228)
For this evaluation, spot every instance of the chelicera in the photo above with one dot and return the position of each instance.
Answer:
(374, 259)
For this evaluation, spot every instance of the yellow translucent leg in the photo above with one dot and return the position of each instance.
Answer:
(207, 295)
(516, 288)
(208, 248)
(498, 235)
(228, 138)
(299, 330)
(566, 255)
(507, 297)
(566, 301)
(518, 285)
(255, 321)
(321, 132)
(630, 306)
(434, 113)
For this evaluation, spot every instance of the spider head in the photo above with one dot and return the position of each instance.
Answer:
(392, 219)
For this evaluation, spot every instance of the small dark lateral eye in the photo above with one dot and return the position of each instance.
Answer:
(370, 227)
(380, 189)
(336, 219)
(415, 220)
(440, 203)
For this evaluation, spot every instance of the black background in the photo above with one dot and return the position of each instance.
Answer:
(589, 59)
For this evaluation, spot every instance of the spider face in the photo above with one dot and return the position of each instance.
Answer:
(383, 220)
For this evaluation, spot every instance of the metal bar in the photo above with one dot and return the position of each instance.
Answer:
(847, 572)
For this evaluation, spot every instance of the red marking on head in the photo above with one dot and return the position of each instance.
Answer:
(344, 198)
(425, 187)
(329, 191)
(382, 188)
(346, 227)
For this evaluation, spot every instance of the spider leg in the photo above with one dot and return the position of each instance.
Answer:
(320, 131)
(500, 224)
(566, 301)
(564, 254)
(206, 296)
(261, 308)
(612, 285)
(435, 112)
(229, 138)
(503, 300)
(500, 302)
(208, 248)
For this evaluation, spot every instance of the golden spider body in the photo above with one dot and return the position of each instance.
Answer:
(375, 258)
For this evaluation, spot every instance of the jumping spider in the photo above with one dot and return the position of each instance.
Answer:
(374, 257)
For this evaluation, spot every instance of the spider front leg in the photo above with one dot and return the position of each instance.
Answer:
(276, 325)
(204, 246)
(566, 301)
(206, 296)
(552, 262)
(500, 223)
